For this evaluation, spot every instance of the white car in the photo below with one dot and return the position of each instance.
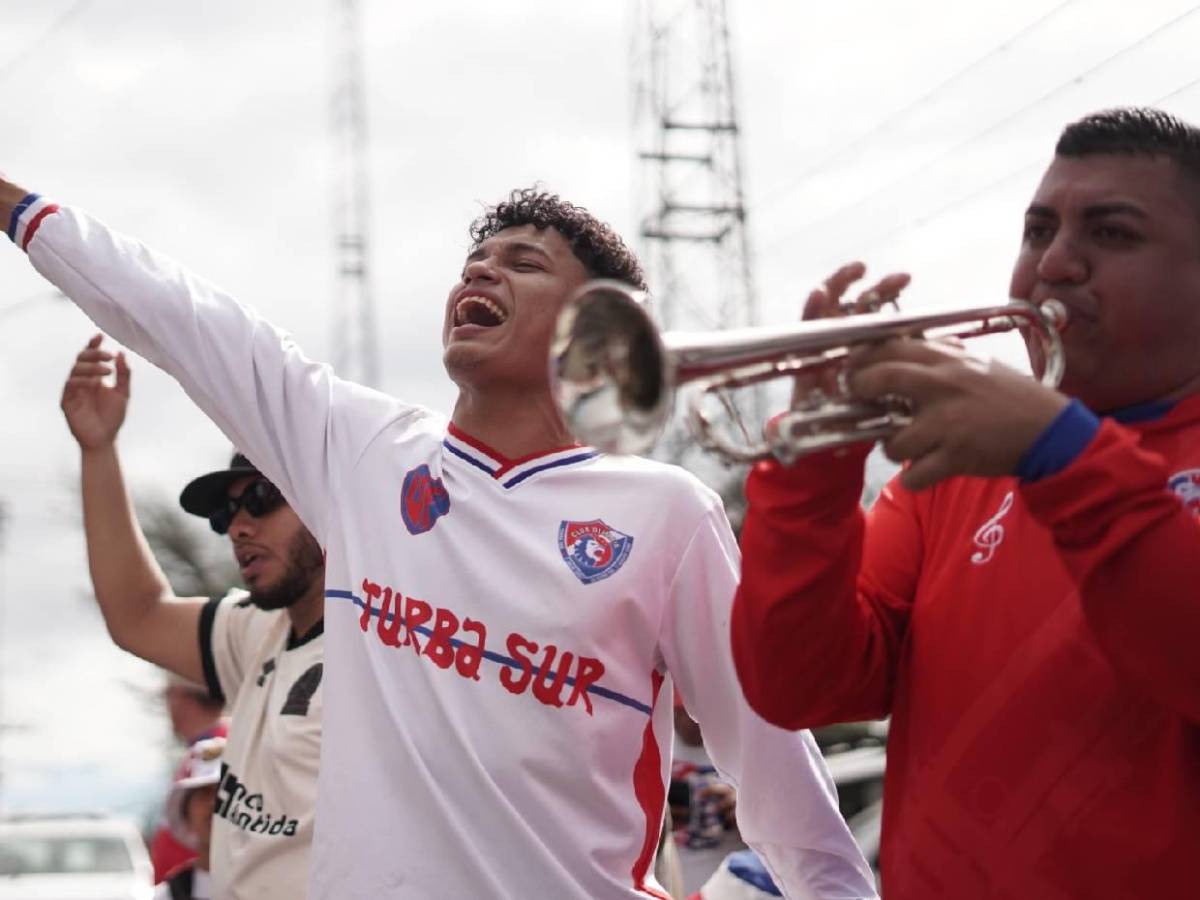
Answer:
(77, 857)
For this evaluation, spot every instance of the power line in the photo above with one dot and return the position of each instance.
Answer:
(1175, 93)
(31, 46)
(995, 126)
(823, 163)
(936, 213)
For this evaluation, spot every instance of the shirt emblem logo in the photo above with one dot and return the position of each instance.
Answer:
(991, 533)
(593, 550)
(1186, 486)
(423, 500)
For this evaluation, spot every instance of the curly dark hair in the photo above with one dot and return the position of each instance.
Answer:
(1134, 131)
(593, 242)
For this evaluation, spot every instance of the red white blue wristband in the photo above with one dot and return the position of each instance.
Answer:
(27, 216)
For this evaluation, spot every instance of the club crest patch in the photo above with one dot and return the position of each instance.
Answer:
(1186, 486)
(593, 550)
(423, 500)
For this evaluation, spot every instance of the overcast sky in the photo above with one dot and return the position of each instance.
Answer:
(907, 134)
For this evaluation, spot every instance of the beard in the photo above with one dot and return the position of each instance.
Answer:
(304, 564)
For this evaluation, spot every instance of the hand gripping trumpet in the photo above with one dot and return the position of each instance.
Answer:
(614, 373)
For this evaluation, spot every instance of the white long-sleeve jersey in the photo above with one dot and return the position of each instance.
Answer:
(501, 635)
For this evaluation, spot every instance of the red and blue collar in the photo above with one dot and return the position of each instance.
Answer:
(511, 472)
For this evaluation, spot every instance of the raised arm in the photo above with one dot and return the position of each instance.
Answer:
(142, 613)
(249, 377)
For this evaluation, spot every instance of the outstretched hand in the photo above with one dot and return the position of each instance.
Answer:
(95, 409)
(969, 416)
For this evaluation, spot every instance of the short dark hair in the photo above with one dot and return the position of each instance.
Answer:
(594, 243)
(1134, 131)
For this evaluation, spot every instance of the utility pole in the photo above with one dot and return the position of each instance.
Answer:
(355, 341)
(694, 241)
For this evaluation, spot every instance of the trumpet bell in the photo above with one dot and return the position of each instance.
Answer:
(609, 369)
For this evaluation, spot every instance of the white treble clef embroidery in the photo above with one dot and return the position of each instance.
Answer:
(991, 533)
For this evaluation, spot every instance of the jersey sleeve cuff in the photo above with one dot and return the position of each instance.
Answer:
(27, 216)
(1060, 443)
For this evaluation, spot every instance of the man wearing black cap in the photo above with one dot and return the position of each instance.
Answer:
(260, 651)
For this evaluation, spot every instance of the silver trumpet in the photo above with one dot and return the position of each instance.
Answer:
(614, 373)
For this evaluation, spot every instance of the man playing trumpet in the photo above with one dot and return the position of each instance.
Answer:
(1022, 600)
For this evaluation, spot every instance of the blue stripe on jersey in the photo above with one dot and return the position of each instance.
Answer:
(595, 689)
(579, 457)
(27, 201)
(472, 460)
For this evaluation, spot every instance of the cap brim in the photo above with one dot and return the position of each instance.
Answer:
(205, 495)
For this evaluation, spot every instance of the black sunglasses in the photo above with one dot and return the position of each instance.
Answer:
(259, 498)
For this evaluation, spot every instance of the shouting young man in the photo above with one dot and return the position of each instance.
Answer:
(506, 610)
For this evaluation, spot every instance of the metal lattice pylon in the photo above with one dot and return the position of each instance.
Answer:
(693, 237)
(355, 343)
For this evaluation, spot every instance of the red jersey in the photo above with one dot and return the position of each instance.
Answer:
(1035, 645)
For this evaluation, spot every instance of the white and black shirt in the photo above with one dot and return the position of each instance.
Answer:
(271, 679)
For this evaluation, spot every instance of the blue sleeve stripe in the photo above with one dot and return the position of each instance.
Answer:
(27, 201)
(1062, 441)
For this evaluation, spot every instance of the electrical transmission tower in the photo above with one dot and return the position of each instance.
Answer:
(355, 344)
(694, 242)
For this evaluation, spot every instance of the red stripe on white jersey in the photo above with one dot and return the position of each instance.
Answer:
(651, 795)
(32, 228)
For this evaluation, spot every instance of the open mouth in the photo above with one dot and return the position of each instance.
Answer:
(475, 310)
